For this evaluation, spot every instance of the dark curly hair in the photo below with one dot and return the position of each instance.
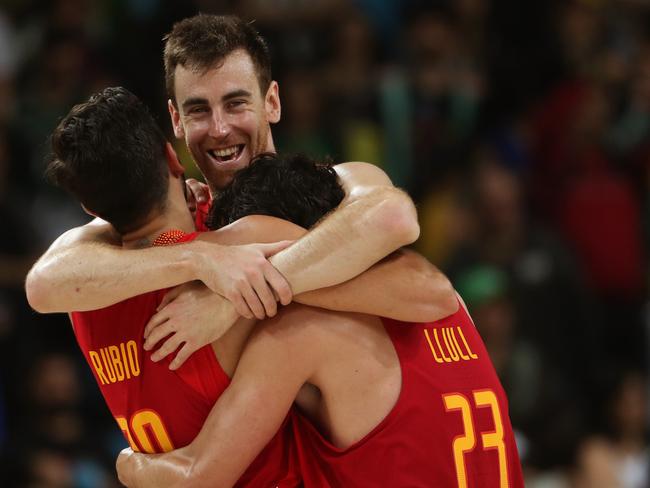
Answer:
(110, 154)
(294, 188)
(199, 43)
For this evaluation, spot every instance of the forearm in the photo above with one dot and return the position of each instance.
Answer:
(403, 286)
(155, 470)
(89, 275)
(349, 240)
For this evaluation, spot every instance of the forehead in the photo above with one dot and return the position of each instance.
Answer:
(235, 72)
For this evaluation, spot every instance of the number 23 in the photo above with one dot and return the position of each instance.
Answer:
(467, 442)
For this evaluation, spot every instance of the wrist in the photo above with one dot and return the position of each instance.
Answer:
(286, 267)
(194, 259)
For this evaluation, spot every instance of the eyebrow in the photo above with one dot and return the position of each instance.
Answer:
(235, 94)
(190, 102)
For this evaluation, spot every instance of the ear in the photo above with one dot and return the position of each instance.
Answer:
(272, 103)
(175, 166)
(175, 115)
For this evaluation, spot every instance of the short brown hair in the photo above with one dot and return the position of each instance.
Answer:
(200, 42)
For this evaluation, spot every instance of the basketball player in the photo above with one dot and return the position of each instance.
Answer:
(222, 101)
(109, 153)
(381, 403)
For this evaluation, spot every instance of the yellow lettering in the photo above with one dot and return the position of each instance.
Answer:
(132, 350)
(124, 426)
(464, 356)
(107, 364)
(114, 353)
(94, 357)
(461, 443)
(124, 361)
(471, 354)
(494, 440)
(153, 421)
(450, 345)
(435, 335)
(433, 350)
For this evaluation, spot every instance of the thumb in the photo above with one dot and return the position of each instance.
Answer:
(274, 247)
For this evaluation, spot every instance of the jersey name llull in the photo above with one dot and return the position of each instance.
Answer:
(449, 345)
(116, 363)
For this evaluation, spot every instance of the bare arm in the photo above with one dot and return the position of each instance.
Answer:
(87, 269)
(374, 220)
(404, 286)
(275, 364)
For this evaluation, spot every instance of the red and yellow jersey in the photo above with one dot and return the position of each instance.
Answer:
(156, 408)
(449, 428)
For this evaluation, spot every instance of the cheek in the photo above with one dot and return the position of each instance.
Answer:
(195, 132)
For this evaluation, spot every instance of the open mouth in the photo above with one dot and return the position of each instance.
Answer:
(227, 154)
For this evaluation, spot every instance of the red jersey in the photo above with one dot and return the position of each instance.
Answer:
(449, 428)
(201, 215)
(156, 408)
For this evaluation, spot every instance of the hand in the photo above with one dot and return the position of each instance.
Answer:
(191, 314)
(124, 467)
(197, 192)
(244, 276)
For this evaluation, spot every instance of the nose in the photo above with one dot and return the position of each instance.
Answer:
(219, 127)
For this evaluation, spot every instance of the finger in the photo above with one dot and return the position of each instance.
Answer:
(273, 247)
(253, 301)
(168, 347)
(157, 319)
(279, 284)
(158, 334)
(198, 189)
(185, 352)
(170, 296)
(241, 307)
(265, 295)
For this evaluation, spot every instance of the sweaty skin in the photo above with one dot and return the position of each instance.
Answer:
(82, 269)
(219, 111)
(292, 356)
(196, 317)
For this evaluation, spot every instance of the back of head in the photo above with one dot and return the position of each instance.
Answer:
(293, 188)
(201, 42)
(110, 154)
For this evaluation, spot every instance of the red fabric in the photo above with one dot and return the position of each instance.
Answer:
(181, 399)
(202, 210)
(413, 446)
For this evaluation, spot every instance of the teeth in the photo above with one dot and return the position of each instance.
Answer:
(229, 151)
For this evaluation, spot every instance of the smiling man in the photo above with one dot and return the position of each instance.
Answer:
(223, 102)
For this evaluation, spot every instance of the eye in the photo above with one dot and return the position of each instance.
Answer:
(233, 104)
(198, 109)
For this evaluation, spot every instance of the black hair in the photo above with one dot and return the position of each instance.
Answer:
(294, 188)
(110, 154)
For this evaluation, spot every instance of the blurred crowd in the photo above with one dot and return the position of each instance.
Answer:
(521, 129)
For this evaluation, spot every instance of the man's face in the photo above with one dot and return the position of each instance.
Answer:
(224, 117)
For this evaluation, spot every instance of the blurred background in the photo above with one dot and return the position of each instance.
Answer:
(521, 129)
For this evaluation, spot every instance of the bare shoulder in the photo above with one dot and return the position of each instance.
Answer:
(354, 173)
(319, 331)
(97, 230)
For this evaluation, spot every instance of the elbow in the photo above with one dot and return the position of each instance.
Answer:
(398, 218)
(36, 290)
(441, 300)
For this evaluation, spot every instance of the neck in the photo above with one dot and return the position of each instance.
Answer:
(168, 220)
